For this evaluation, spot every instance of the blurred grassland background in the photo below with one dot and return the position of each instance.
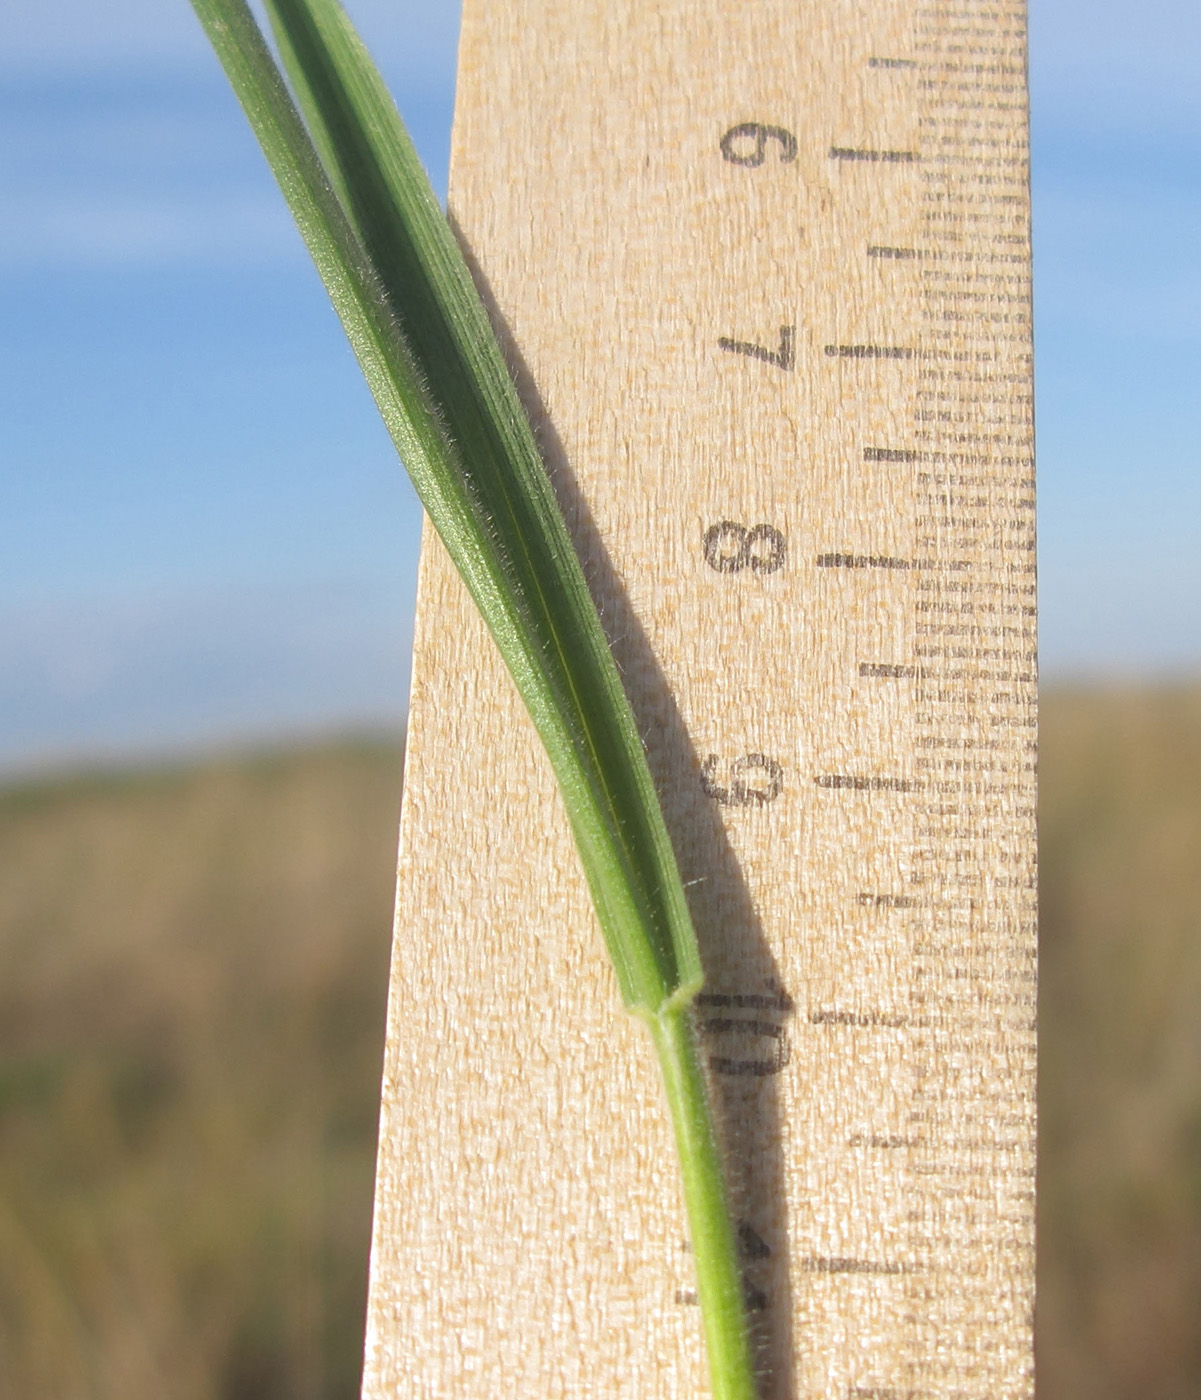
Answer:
(204, 537)
(193, 970)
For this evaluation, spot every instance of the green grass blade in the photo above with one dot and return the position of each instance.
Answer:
(357, 127)
(489, 497)
(403, 291)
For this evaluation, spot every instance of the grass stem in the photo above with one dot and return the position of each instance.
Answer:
(401, 286)
(714, 1247)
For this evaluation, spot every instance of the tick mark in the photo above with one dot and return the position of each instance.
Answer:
(885, 157)
(862, 561)
(858, 783)
(868, 352)
(863, 1020)
(871, 900)
(886, 670)
(733, 1026)
(886, 1142)
(742, 1001)
(820, 1264)
(758, 1068)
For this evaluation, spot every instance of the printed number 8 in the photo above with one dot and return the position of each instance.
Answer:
(731, 547)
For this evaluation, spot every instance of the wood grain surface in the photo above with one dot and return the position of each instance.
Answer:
(763, 273)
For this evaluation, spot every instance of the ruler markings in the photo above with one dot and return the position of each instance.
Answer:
(890, 1143)
(889, 454)
(888, 157)
(680, 222)
(888, 670)
(823, 1264)
(870, 352)
(859, 782)
(862, 561)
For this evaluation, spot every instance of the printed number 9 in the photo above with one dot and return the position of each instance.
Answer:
(735, 147)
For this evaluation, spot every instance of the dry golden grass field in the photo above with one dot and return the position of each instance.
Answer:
(1120, 1046)
(193, 970)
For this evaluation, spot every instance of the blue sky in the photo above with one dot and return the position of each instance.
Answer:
(204, 533)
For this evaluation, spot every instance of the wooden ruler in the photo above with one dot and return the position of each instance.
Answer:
(765, 271)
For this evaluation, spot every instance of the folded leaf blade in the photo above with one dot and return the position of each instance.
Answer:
(405, 297)
(481, 480)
